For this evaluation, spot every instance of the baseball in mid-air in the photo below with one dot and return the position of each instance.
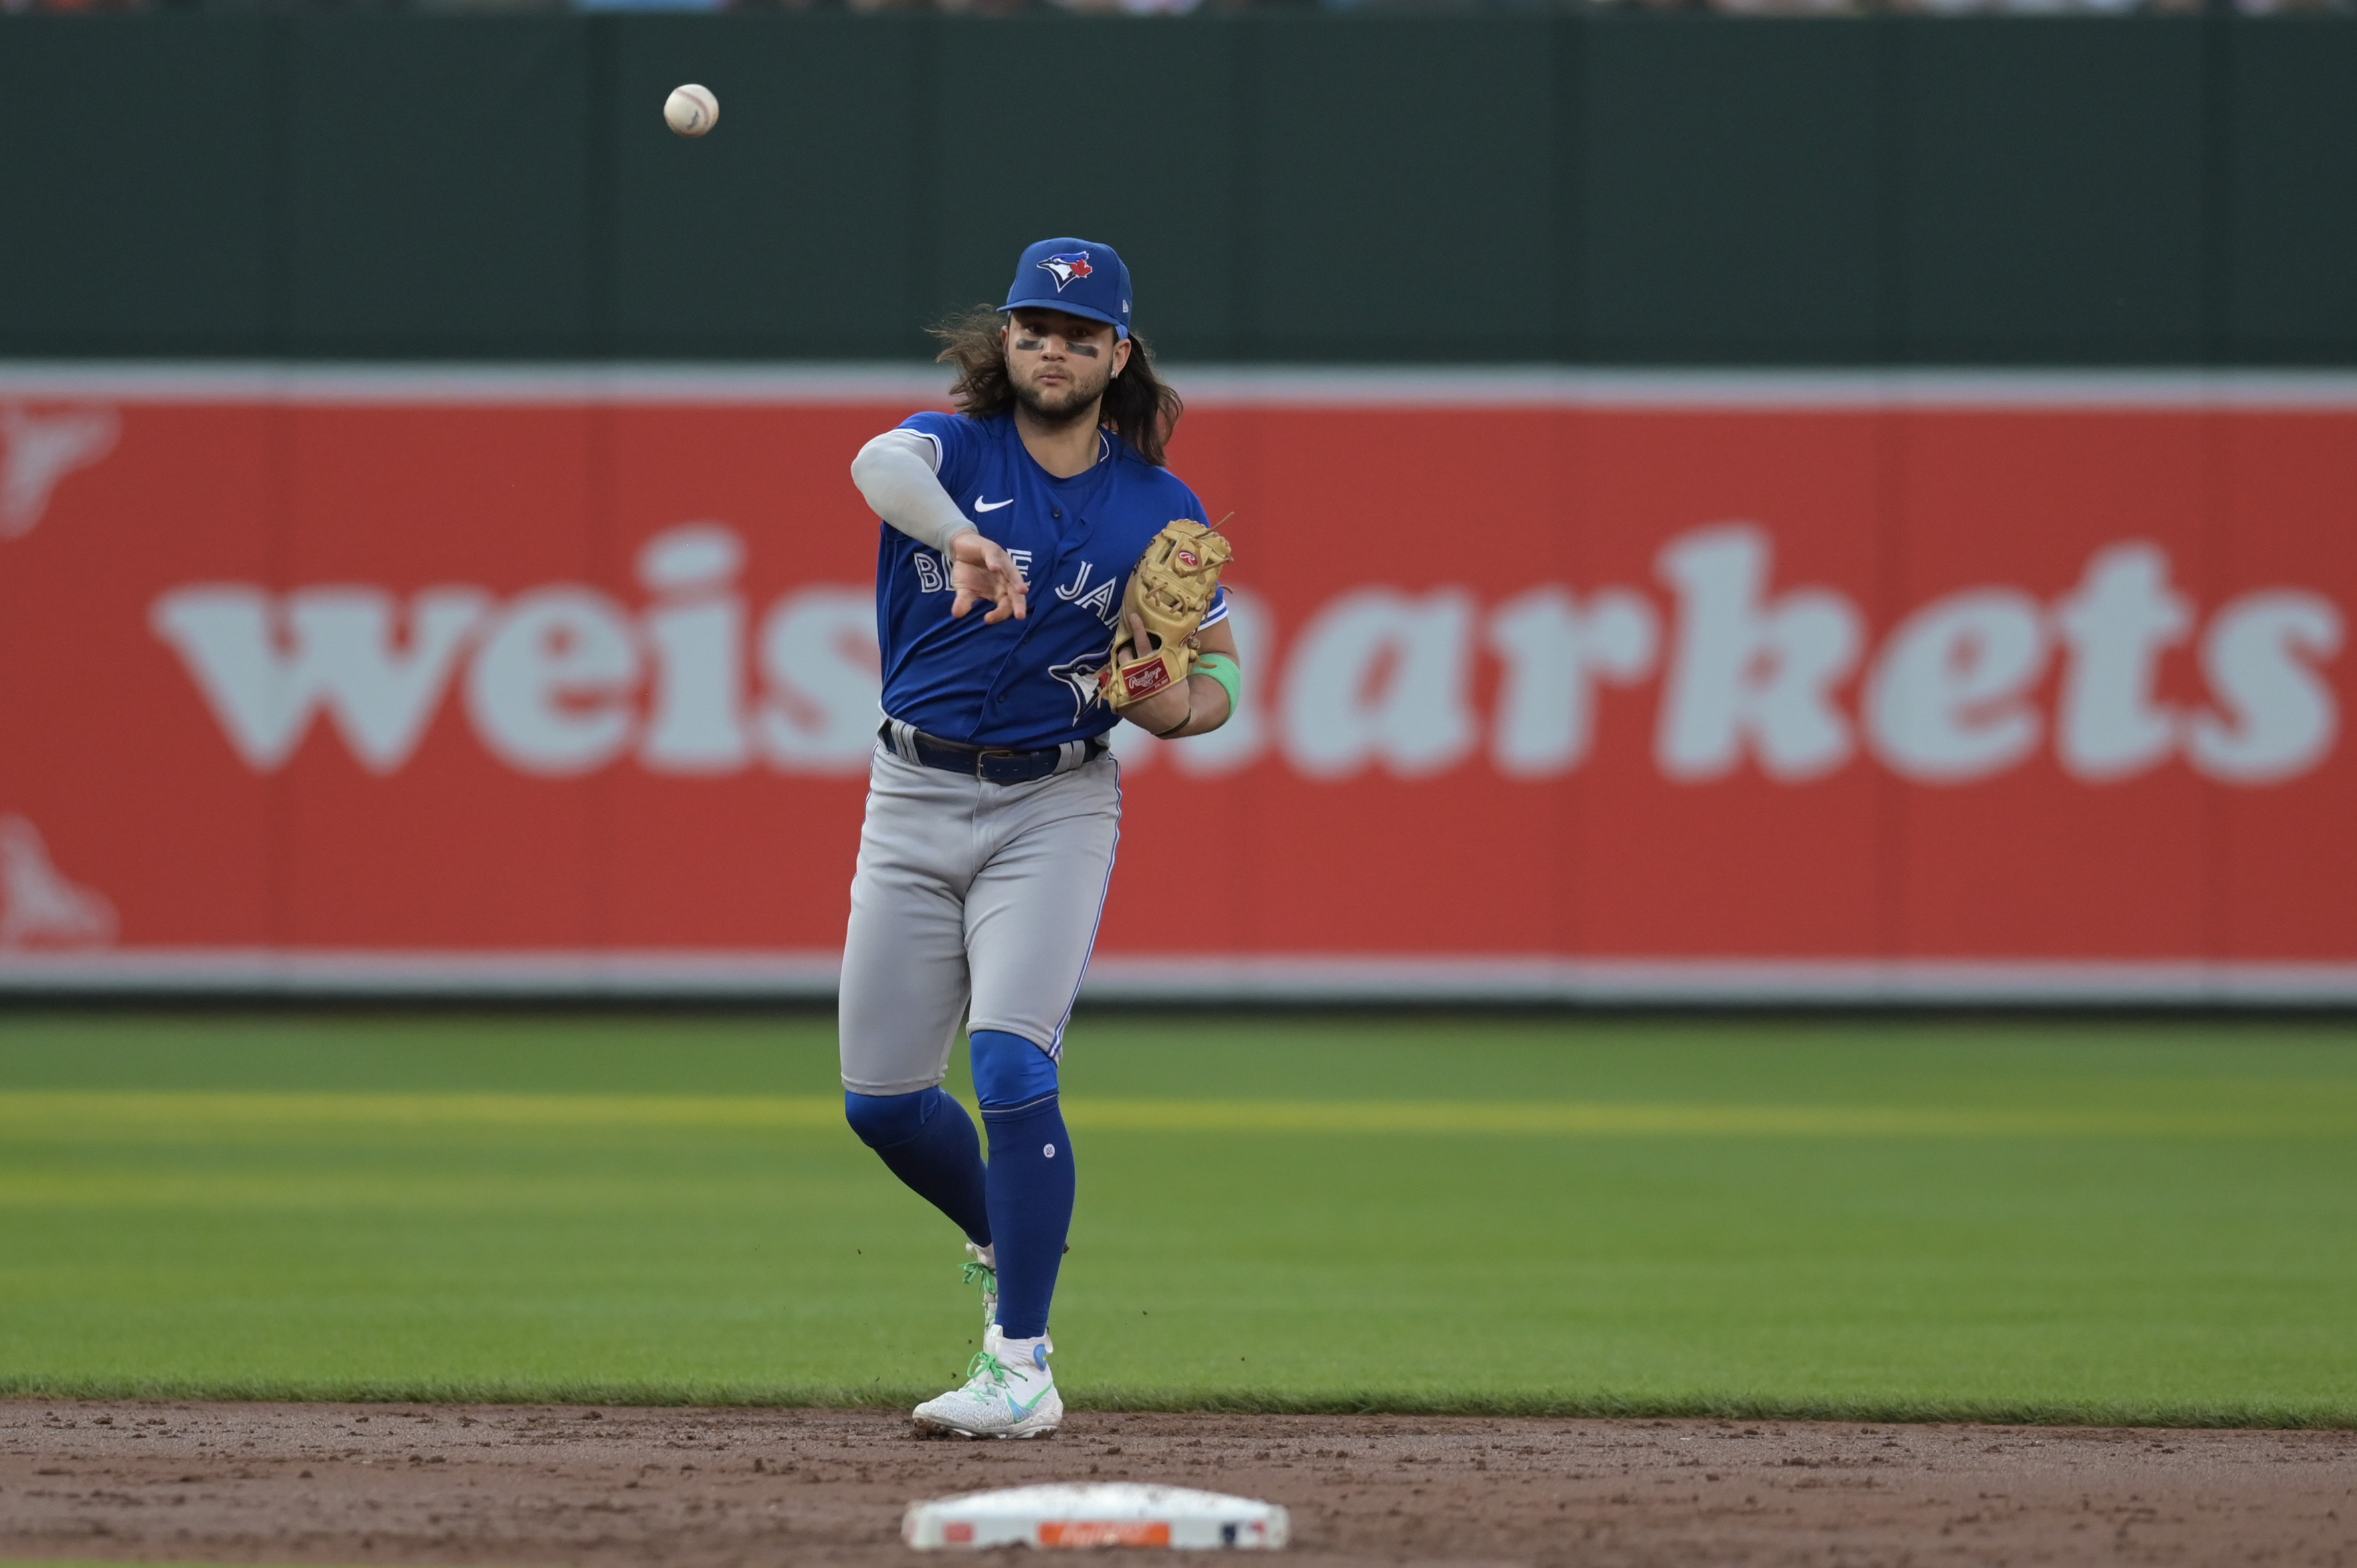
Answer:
(692, 110)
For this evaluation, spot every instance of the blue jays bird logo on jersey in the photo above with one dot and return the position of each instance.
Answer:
(1080, 677)
(1064, 268)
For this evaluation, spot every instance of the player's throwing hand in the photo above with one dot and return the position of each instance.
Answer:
(982, 570)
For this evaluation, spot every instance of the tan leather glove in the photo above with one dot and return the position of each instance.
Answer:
(1171, 591)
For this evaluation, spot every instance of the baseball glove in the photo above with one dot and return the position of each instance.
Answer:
(1171, 591)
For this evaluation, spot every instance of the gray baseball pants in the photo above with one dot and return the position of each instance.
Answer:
(972, 901)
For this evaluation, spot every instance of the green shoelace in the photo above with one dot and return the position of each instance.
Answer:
(983, 1361)
(983, 1275)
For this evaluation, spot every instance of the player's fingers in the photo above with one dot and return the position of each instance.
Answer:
(1139, 638)
(1004, 565)
(963, 603)
(1008, 590)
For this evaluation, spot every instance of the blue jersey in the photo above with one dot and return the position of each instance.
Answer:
(1032, 682)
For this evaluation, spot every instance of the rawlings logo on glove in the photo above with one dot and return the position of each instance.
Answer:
(1171, 591)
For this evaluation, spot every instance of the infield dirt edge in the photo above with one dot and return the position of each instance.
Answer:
(1147, 1401)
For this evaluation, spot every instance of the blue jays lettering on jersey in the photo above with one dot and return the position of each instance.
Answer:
(1031, 682)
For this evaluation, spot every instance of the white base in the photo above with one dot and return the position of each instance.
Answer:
(1089, 1514)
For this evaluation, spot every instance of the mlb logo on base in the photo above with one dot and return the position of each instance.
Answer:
(1096, 1514)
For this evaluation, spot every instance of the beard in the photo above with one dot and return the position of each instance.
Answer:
(1076, 404)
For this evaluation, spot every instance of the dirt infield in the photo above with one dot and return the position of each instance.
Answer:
(446, 1484)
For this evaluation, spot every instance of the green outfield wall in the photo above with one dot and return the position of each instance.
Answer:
(1288, 187)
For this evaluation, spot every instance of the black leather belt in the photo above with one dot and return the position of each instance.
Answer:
(991, 764)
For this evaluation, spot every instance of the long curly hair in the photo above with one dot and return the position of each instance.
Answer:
(1139, 406)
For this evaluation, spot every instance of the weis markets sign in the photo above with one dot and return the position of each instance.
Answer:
(1559, 685)
(563, 679)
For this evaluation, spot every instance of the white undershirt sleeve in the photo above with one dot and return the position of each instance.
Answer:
(897, 473)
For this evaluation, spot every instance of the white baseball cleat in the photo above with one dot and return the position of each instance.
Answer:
(983, 1270)
(1009, 1393)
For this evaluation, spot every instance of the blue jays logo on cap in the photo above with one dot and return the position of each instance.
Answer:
(1064, 268)
(1091, 280)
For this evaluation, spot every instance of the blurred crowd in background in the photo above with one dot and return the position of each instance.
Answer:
(1174, 8)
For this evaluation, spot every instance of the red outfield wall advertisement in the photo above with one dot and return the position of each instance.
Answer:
(1561, 686)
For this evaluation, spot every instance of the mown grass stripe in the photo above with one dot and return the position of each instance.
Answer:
(393, 1191)
(2321, 1414)
(37, 1114)
(31, 1111)
(1607, 1119)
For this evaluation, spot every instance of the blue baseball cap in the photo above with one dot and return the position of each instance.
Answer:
(1079, 276)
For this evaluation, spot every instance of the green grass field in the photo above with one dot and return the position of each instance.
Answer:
(2063, 1221)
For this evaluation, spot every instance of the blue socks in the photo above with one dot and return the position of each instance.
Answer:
(1009, 1071)
(1030, 1211)
(1030, 1185)
(928, 1141)
(1021, 1204)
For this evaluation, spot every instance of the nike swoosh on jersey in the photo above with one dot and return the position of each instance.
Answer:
(982, 505)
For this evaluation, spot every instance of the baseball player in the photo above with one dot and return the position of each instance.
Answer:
(993, 805)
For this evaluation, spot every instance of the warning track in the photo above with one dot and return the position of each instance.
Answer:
(450, 1483)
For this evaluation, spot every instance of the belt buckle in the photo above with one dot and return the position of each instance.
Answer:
(982, 761)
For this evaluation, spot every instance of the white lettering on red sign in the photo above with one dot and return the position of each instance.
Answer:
(1753, 674)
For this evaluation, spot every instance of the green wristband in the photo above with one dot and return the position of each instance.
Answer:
(1231, 677)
